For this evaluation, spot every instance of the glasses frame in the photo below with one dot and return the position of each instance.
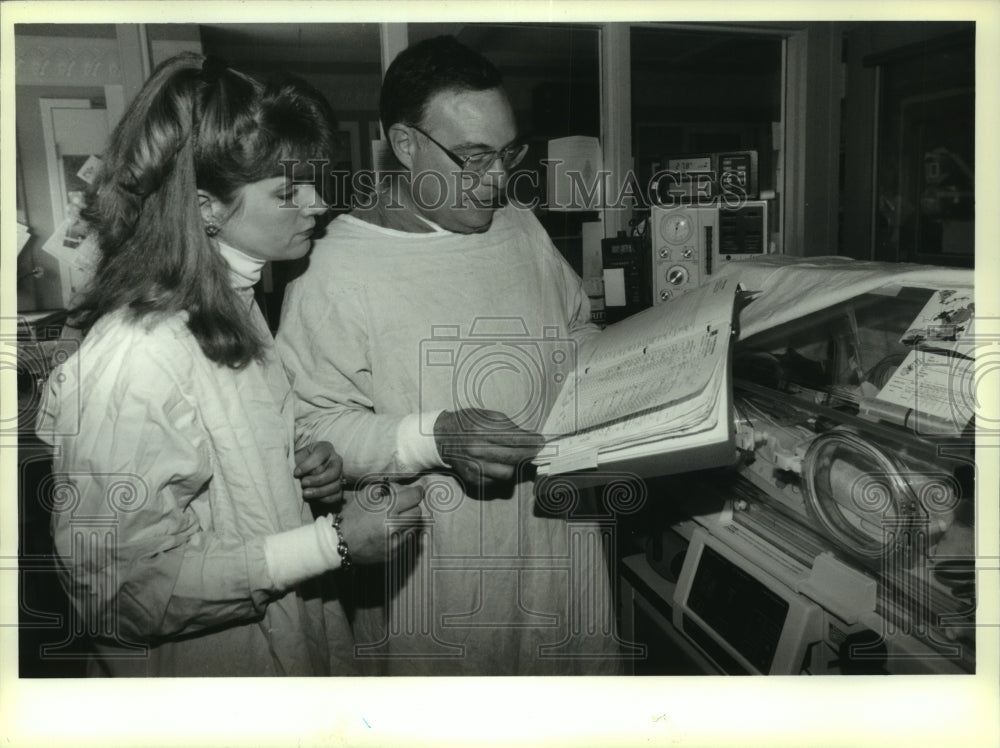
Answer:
(462, 162)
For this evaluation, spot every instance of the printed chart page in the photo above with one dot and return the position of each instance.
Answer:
(936, 383)
(649, 384)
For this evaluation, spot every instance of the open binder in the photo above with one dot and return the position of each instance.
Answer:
(651, 394)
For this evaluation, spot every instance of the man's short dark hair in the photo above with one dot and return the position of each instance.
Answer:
(427, 68)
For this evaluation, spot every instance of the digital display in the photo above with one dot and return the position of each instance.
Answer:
(744, 612)
(691, 163)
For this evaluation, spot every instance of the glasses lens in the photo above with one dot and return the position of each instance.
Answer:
(480, 162)
(509, 158)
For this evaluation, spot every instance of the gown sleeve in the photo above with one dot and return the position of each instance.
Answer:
(133, 552)
(323, 344)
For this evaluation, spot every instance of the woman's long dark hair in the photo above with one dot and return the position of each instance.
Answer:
(195, 124)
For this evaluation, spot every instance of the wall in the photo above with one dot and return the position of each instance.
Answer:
(64, 61)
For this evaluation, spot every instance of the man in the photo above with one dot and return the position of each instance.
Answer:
(382, 334)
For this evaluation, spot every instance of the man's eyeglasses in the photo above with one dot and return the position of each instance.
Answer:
(479, 163)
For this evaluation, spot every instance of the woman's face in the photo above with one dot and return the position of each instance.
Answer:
(273, 219)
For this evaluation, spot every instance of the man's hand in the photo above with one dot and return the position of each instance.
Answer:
(364, 527)
(319, 468)
(483, 446)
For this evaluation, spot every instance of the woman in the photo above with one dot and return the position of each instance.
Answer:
(185, 543)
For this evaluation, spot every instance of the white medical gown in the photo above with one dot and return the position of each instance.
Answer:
(177, 470)
(386, 323)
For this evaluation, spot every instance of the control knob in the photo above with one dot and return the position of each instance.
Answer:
(677, 275)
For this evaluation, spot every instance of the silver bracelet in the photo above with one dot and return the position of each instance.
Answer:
(345, 554)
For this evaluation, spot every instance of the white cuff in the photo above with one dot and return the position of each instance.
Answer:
(296, 555)
(418, 451)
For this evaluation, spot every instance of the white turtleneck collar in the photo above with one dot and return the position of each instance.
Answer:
(244, 270)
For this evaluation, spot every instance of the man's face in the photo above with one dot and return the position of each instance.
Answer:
(465, 122)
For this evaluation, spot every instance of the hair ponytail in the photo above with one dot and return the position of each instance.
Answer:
(194, 125)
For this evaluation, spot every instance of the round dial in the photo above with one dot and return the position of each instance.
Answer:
(676, 228)
(677, 275)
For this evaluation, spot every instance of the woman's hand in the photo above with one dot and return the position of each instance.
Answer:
(365, 523)
(318, 468)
